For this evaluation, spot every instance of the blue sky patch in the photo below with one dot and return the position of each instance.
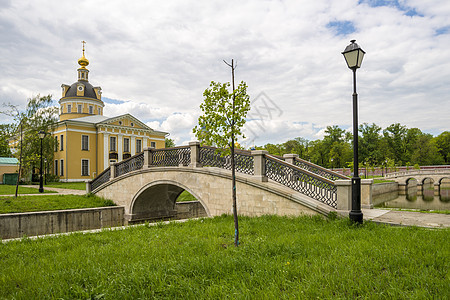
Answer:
(342, 27)
(408, 11)
(112, 101)
(443, 30)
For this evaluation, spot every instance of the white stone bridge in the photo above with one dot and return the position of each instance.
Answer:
(148, 184)
(437, 177)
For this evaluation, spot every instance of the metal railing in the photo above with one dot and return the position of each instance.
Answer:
(101, 178)
(174, 156)
(212, 157)
(301, 180)
(131, 164)
(306, 165)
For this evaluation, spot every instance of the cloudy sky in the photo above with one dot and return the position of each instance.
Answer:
(154, 59)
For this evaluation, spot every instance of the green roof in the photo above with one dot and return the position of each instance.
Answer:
(8, 161)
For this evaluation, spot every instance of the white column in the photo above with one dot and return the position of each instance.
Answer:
(144, 142)
(120, 146)
(133, 145)
(105, 150)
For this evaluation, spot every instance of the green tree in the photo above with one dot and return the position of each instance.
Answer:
(5, 133)
(426, 152)
(369, 144)
(395, 135)
(224, 114)
(39, 114)
(169, 143)
(442, 142)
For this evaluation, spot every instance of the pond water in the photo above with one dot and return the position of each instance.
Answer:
(427, 198)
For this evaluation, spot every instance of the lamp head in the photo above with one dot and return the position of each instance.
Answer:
(41, 134)
(353, 55)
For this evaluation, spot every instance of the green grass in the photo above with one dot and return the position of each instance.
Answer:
(53, 202)
(186, 196)
(68, 185)
(429, 211)
(382, 181)
(11, 190)
(279, 257)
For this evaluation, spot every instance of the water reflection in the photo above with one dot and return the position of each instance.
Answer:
(426, 197)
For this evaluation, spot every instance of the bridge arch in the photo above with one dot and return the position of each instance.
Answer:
(157, 199)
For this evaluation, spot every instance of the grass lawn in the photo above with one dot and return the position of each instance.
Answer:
(279, 257)
(50, 202)
(68, 185)
(186, 196)
(11, 190)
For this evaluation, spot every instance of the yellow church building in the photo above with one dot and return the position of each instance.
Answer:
(88, 142)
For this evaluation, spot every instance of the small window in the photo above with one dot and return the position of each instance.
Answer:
(138, 146)
(112, 143)
(120, 122)
(132, 124)
(82, 75)
(56, 167)
(56, 143)
(85, 142)
(91, 110)
(84, 167)
(62, 168)
(153, 144)
(99, 111)
(61, 140)
(126, 145)
(79, 108)
(69, 108)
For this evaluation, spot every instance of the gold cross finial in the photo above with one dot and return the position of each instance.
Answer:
(83, 46)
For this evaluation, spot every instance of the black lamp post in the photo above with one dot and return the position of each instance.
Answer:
(354, 55)
(41, 184)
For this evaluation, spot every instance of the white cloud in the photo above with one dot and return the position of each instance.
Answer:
(159, 57)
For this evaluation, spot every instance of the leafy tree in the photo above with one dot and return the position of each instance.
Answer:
(395, 135)
(224, 114)
(39, 114)
(425, 152)
(443, 145)
(5, 133)
(369, 143)
(169, 143)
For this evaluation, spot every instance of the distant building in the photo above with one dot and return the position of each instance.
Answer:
(8, 165)
(87, 141)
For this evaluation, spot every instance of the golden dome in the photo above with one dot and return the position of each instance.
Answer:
(83, 61)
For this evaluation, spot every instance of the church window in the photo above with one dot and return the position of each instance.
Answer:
(82, 75)
(112, 143)
(126, 145)
(56, 167)
(79, 108)
(132, 124)
(56, 143)
(85, 142)
(153, 144)
(91, 110)
(84, 167)
(69, 108)
(138, 146)
(62, 168)
(61, 141)
(120, 122)
(99, 111)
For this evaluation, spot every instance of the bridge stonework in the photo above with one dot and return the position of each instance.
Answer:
(152, 192)
(149, 183)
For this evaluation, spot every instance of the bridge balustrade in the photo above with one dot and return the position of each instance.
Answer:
(301, 180)
(295, 173)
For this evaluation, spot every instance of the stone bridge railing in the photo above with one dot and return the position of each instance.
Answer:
(418, 173)
(300, 175)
